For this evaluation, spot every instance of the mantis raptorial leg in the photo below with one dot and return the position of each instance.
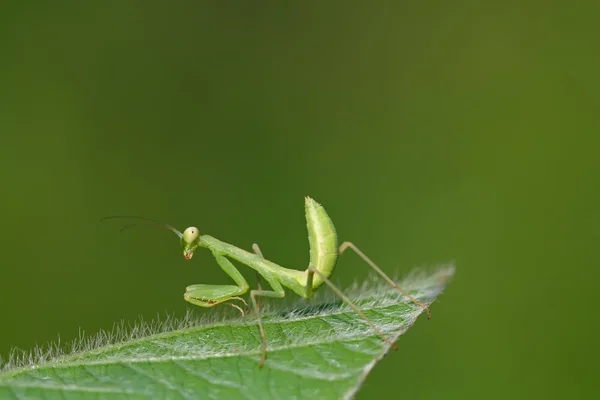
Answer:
(227, 303)
(324, 253)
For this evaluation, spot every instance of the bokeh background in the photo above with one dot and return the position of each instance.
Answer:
(430, 131)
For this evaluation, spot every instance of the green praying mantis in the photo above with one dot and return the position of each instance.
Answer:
(324, 252)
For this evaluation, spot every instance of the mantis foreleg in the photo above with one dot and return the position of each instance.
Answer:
(236, 306)
(211, 295)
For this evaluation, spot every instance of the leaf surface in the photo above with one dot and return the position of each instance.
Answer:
(315, 351)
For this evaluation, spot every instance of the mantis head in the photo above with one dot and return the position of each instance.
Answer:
(189, 241)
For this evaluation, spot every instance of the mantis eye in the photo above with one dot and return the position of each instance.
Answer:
(190, 234)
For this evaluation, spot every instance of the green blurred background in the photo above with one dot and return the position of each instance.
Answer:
(430, 131)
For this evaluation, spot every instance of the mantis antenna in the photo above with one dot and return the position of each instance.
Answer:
(152, 221)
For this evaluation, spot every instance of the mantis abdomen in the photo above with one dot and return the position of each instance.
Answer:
(322, 239)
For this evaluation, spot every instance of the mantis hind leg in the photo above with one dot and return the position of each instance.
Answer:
(312, 271)
(366, 259)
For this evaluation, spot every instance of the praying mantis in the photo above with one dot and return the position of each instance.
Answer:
(324, 253)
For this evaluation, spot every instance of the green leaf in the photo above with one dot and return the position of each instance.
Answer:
(316, 351)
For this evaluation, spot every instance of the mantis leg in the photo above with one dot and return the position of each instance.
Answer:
(257, 251)
(276, 292)
(211, 295)
(309, 279)
(366, 259)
